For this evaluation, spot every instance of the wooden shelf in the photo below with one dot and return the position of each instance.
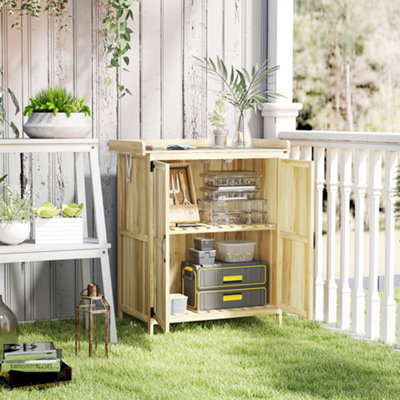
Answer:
(29, 251)
(204, 228)
(191, 316)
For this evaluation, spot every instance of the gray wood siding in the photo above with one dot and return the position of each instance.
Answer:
(170, 100)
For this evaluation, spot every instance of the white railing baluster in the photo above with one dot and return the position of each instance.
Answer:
(358, 298)
(319, 160)
(295, 152)
(344, 288)
(306, 153)
(373, 300)
(330, 284)
(388, 304)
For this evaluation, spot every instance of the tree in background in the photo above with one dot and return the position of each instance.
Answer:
(345, 59)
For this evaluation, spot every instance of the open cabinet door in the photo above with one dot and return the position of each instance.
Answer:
(161, 243)
(295, 266)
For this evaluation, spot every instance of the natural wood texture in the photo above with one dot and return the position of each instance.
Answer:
(294, 280)
(161, 243)
(287, 189)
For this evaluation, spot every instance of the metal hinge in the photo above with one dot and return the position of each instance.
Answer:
(152, 166)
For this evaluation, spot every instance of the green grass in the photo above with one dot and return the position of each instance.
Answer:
(249, 358)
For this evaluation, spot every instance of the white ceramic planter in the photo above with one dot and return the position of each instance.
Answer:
(15, 232)
(46, 125)
(58, 230)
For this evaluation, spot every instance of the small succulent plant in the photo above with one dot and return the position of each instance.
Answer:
(47, 210)
(72, 210)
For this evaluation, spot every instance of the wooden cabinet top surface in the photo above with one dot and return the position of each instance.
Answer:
(156, 149)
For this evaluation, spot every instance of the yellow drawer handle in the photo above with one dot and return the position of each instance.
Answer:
(232, 297)
(233, 278)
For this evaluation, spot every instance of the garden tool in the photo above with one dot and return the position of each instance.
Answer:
(174, 190)
(183, 184)
(171, 200)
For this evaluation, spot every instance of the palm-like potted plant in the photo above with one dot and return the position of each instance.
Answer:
(16, 214)
(245, 90)
(58, 225)
(56, 113)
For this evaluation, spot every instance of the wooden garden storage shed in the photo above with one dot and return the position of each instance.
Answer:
(150, 249)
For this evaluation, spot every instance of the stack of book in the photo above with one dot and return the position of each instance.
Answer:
(33, 364)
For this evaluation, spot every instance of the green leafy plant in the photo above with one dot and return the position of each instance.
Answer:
(217, 117)
(16, 205)
(72, 210)
(47, 210)
(119, 36)
(33, 8)
(55, 100)
(245, 89)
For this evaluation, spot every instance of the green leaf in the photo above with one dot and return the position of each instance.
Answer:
(14, 100)
(3, 178)
(14, 129)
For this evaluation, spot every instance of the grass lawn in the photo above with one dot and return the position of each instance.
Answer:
(249, 358)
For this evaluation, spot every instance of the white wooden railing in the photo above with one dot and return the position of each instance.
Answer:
(355, 168)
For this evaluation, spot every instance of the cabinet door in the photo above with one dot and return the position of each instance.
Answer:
(161, 243)
(295, 226)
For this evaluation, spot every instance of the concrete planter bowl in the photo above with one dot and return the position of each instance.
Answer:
(46, 125)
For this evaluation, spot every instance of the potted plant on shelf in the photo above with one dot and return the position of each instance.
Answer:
(55, 225)
(56, 113)
(16, 214)
(245, 90)
(217, 119)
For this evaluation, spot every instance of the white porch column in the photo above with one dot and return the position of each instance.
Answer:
(280, 115)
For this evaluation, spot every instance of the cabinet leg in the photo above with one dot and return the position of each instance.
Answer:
(150, 327)
(279, 317)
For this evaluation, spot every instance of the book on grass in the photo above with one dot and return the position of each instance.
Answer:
(37, 365)
(38, 380)
(29, 351)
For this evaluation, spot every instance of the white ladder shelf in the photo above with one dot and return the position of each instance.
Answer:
(92, 247)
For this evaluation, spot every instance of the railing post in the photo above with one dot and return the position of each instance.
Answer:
(388, 304)
(330, 284)
(358, 297)
(319, 160)
(373, 300)
(344, 288)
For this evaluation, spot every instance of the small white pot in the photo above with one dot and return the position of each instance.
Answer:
(14, 232)
(58, 230)
(46, 125)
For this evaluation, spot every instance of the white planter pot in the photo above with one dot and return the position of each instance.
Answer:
(58, 230)
(15, 232)
(46, 125)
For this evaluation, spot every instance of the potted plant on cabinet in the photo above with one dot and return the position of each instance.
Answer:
(245, 90)
(55, 225)
(56, 113)
(16, 214)
(217, 119)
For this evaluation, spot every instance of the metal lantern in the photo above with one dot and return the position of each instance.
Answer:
(92, 303)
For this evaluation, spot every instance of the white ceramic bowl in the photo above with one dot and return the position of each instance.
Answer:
(15, 232)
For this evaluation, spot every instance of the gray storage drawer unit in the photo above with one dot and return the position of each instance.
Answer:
(225, 285)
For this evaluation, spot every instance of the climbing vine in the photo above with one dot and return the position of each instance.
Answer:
(119, 36)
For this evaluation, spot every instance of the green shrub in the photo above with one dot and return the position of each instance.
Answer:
(55, 100)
